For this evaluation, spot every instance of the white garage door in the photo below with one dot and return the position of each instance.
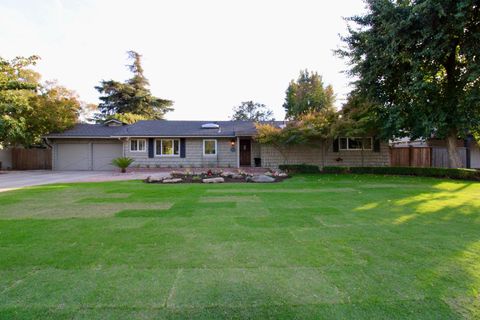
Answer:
(73, 156)
(104, 153)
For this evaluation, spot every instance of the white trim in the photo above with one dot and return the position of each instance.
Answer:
(348, 149)
(216, 149)
(173, 155)
(138, 150)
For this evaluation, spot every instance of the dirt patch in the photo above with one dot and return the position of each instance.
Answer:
(230, 199)
(282, 190)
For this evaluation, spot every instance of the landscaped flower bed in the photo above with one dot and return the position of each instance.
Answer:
(212, 176)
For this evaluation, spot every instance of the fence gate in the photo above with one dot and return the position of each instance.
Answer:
(411, 157)
(32, 159)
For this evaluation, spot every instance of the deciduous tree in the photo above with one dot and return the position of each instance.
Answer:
(418, 61)
(307, 94)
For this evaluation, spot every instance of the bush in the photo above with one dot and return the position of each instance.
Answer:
(335, 169)
(465, 174)
(299, 168)
(123, 163)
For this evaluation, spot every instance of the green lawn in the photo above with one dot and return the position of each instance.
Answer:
(317, 246)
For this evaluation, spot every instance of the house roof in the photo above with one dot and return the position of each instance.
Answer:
(88, 130)
(164, 128)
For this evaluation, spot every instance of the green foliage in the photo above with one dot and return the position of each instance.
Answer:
(29, 109)
(307, 94)
(128, 118)
(464, 174)
(252, 111)
(299, 168)
(417, 61)
(358, 118)
(309, 128)
(122, 162)
(132, 96)
(335, 169)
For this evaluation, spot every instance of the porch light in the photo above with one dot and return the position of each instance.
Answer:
(232, 142)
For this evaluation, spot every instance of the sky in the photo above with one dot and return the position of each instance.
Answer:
(207, 56)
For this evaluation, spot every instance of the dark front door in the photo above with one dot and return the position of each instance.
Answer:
(245, 152)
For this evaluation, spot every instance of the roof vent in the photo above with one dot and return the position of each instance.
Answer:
(210, 126)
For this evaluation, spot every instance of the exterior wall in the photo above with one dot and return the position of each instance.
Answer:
(272, 158)
(353, 158)
(193, 156)
(255, 152)
(6, 158)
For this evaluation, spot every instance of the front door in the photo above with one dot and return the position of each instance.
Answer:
(245, 152)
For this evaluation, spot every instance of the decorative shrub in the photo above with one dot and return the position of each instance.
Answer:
(465, 174)
(335, 169)
(123, 163)
(299, 168)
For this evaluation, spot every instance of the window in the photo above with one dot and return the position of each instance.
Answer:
(167, 147)
(209, 147)
(355, 143)
(138, 145)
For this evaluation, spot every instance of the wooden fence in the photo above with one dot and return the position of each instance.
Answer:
(411, 157)
(31, 159)
(424, 157)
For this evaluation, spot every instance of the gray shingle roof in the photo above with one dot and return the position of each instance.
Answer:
(88, 130)
(164, 128)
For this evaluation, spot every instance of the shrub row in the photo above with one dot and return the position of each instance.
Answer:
(299, 168)
(466, 174)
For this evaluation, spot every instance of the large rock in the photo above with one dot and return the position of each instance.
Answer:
(262, 178)
(176, 180)
(213, 180)
(157, 178)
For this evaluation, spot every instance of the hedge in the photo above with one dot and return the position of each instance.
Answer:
(299, 168)
(466, 174)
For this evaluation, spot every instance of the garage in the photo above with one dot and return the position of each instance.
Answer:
(86, 156)
(104, 153)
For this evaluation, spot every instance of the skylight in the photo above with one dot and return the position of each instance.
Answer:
(210, 126)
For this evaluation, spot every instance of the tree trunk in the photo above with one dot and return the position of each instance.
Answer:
(453, 158)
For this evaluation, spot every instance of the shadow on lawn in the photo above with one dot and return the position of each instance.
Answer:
(444, 262)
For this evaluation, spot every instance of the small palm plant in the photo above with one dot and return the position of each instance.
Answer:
(123, 163)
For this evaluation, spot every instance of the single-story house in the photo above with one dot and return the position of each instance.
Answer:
(226, 144)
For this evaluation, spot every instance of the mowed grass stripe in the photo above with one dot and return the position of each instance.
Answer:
(314, 246)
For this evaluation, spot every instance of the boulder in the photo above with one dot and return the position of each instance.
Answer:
(227, 174)
(156, 178)
(213, 180)
(176, 180)
(282, 174)
(262, 178)
(237, 176)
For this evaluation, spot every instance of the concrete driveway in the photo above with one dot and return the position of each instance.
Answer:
(11, 180)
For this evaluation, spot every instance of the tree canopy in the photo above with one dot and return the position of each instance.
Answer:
(30, 109)
(254, 111)
(418, 62)
(307, 94)
(132, 96)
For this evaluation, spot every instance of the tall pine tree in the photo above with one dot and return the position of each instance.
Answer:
(132, 96)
